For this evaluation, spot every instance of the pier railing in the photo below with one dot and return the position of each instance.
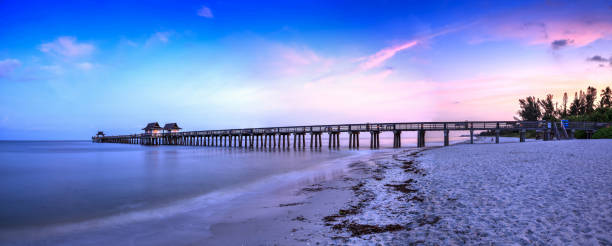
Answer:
(367, 127)
(397, 128)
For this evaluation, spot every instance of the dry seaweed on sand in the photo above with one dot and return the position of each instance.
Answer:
(313, 188)
(342, 213)
(403, 187)
(358, 186)
(351, 220)
(363, 229)
(290, 204)
(410, 167)
(299, 218)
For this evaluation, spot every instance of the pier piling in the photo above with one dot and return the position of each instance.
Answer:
(496, 136)
(397, 139)
(421, 138)
(446, 137)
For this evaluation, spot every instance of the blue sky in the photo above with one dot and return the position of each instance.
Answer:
(69, 68)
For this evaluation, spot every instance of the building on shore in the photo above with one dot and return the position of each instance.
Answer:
(171, 128)
(152, 128)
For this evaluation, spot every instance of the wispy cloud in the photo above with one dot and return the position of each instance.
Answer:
(597, 58)
(84, 66)
(600, 59)
(162, 36)
(7, 66)
(205, 12)
(53, 69)
(158, 37)
(558, 44)
(561, 25)
(381, 56)
(67, 47)
(127, 42)
(271, 61)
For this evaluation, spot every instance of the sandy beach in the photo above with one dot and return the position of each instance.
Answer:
(305, 123)
(557, 192)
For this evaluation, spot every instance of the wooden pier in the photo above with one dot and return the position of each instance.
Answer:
(280, 137)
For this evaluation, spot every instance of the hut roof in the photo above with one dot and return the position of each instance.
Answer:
(171, 126)
(152, 126)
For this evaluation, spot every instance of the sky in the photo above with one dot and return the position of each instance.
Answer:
(71, 68)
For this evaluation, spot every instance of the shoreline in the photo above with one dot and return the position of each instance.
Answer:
(202, 210)
(453, 195)
(325, 214)
(509, 193)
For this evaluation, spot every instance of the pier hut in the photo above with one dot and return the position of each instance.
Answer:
(171, 128)
(152, 128)
(98, 138)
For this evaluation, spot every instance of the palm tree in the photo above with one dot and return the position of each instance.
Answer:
(530, 109)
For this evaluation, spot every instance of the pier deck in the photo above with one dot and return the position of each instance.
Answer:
(279, 137)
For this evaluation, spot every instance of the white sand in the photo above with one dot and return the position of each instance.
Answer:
(557, 192)
(534, 193)
(489, 139)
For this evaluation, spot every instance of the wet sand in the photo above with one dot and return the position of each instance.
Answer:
(362, 202)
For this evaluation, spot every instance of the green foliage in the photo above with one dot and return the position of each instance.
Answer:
(606, 98)
(548, 106)
(562, 112)
(509, 133)
(603, 133)
(516, 134)
(580, 134)
(599, 115)
(574, 109)
(530, 109)
(589, 98)
(582, 108)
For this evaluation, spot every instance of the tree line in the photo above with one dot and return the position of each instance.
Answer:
(584, 107)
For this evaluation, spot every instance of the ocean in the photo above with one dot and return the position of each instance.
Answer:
(70, 190)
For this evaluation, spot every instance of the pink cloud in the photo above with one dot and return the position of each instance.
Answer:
(205, 12)
(306, 89)
(496, 96)
(573, 32)
(305, 84)
(282, 61)
(557, 26)
(299, 56)
(67, 47)
(7, 66)
(381, 56)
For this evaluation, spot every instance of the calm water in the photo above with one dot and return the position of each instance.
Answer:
(69, 186)
(57, 182)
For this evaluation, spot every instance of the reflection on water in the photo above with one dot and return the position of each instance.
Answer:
(56, 182)
(47, 183)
